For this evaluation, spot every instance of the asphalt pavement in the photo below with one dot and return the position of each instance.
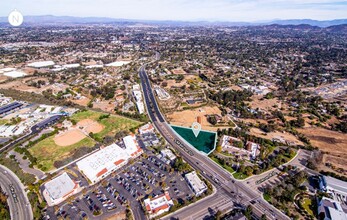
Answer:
(18, 202)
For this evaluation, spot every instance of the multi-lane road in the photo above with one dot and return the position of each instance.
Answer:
(17, 199)
(230, 193)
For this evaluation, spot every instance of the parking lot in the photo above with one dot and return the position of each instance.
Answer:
(147, 177)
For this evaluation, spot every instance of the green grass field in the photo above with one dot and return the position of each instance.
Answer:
(239, 176)
(112, 124)
(3, 121)
(47, 151)
(306, 204)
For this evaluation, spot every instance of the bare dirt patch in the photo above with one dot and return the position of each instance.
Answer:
(82, 101)
(90, 125)
(106, 106)
(332, 142)
(178, 71)
(187, 117)
(21, 85)
(339, 162)
(69, 137)
(265, 104)
(172, 82)
(276, 134)
(3, 78)
(117, 216)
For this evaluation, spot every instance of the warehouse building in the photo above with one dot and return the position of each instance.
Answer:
(330, 209)
(60, 188)
(335, 187)
(109, 159)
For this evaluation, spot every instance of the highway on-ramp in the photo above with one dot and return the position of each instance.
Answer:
(230, 193)
(18, 202)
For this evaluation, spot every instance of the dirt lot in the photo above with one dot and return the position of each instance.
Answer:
(83, 102)
(285, 136)
(3, 78)
(21, 85)
(117, 216)
(187, 117)
(105, 106)
(265, 104)
(172, 82)
(178, 71)
(89, 125)
(69, 137)
(332, 142)
(338, 162)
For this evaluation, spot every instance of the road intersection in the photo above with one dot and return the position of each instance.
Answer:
(230, 192)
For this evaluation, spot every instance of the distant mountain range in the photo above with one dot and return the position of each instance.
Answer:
(50, 19)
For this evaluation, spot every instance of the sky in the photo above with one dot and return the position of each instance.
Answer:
(183, 10)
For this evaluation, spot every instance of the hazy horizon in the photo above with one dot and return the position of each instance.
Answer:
(184, 10)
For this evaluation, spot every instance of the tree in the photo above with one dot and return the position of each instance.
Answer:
(219, 148)
(212, 120)
(248, 170)
(248, 212)
(218, 215)
(263, 217)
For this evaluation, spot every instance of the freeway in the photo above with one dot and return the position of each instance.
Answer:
(238, 193)
(18, 202)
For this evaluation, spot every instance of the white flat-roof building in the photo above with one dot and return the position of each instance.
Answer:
(335, 187)
(15, 74)
(118, 63)
(140, 107)
(147, 128)
(137, 95)
(131, 146)
(158, 205)
(168, 153)
(330, 209)
(58, 189)
(107, 160)
(41, 64)
(136, 87)
(195, 183)
(138, 98)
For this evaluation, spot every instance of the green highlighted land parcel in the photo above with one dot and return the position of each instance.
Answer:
(204, 142)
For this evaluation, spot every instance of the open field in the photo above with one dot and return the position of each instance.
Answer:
(172, 82)
(326, 140)
(47, 151)
(82, 102)
(187, 117)
(111, 125)
(333, 143)
(265, 104)
(105, 105)
(276, 134)
(178, 71)
(69, 137)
